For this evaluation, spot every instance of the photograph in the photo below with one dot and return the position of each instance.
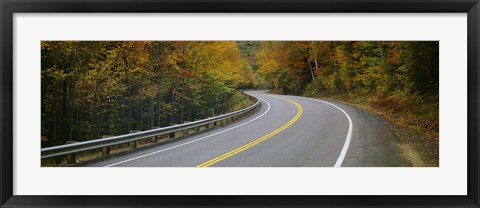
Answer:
(297, 103)
(269, 103)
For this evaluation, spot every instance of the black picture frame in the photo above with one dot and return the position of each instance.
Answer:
(9, 7)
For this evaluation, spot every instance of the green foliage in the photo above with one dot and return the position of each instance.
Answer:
(421, 64)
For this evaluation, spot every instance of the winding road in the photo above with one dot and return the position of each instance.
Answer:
(286, 131)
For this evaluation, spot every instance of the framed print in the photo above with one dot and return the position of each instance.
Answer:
(239, 103)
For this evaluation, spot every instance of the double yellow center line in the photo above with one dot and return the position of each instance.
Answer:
(256, 141)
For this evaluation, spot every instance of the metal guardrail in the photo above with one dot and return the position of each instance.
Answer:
(133, 137)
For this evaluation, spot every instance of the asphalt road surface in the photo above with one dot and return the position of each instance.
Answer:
(286, 131)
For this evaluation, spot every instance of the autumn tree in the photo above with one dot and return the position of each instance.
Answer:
(95, 88)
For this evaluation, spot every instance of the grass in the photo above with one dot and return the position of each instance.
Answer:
(240, 101)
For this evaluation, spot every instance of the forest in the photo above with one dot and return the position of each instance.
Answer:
(95, 88)
(398, 80)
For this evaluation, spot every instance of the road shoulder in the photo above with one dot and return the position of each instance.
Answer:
(418, 150)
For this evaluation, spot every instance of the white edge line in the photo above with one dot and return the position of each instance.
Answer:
(196, 140)
(346, 145)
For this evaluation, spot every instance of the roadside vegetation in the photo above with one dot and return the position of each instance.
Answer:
(396, 80)
(95, 88)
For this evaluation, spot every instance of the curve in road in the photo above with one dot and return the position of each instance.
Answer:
(286, 131)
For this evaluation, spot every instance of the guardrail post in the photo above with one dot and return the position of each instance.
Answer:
(158, 138)
(71, 158)
(133, 144)
(172, 135)
(106, 150)
(185, 131)
(154, 138)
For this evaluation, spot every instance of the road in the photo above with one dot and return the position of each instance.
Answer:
(286, 131)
